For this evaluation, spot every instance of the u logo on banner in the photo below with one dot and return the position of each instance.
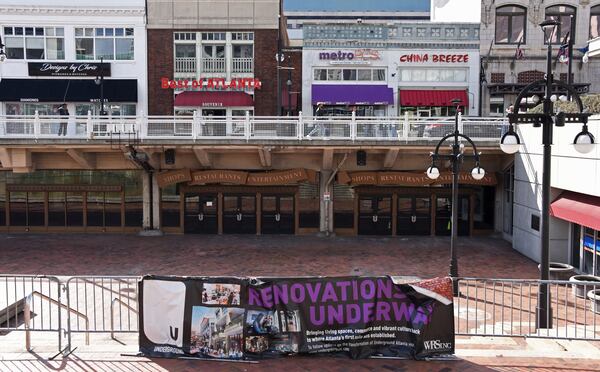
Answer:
(174, 337)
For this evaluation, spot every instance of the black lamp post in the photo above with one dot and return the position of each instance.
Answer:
(433, 172)
(289, 92)
(510, 144)
(100, 81)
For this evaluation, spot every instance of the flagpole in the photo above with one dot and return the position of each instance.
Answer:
(569, 77)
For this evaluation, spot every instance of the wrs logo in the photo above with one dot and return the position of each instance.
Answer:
(437, 345)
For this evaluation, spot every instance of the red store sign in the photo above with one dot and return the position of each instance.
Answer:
(211, 84)
(436, 58)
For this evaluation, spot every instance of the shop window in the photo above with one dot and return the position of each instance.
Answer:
(379, 74)
(18, 209)
(41, 43)
(496, 106)
(170, 214)
(343, 206)
(75, 209)
(106, 42)
(364, 75)
(321, 74)
(511, 24)
(112, 209)
(308, 202)
(576, 246)
(334, 74)
(564, 14)
(95, 209)
(349, 74)
(2, 205)
(57, 209)
(595, 22)
(134, 206)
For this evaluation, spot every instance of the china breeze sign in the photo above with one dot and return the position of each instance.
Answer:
(252, 318)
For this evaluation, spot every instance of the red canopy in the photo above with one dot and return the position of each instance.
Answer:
(213, 99)
(577, 208)
(432, 97)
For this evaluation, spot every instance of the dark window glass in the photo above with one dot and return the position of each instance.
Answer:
(35, 209)
(112, 209)
(510, 24)
(74, 209)
(95, 209)
(170, 216)
(564, 14)
(18, 209)
(535, 222)
(343, 206)
(56, 209)
(308, 202)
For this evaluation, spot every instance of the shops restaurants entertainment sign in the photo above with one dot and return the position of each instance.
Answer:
(68, 69)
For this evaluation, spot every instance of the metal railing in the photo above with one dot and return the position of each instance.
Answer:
(298, 128)
(507, 307)
(242, 65)
(185, 65)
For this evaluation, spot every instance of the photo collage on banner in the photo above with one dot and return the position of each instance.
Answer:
(253, 318)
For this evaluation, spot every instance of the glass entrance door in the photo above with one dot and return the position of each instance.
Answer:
(201, 214)
(239, 214)
(277, 214)
(375, 215)
(443, 215)
(414, 215)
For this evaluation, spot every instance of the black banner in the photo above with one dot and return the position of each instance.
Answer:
(253, 318)
(68, 69)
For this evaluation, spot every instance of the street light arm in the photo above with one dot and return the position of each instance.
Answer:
(542, 82)
(436, 154)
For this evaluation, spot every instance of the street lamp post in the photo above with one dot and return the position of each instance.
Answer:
(510, 143)
(100, 81)
(433, 172)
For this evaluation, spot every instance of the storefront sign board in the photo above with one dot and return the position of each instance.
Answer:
(218, 176)
(173, 177)
(68, 69)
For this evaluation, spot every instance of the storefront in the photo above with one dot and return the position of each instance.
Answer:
(428, 81)
(239, 202)
(406, 203)
(583, 213)
(71, 201)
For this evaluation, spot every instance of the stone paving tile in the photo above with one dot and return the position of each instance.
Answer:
(73, 254)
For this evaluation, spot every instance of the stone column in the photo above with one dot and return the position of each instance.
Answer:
(326, 207)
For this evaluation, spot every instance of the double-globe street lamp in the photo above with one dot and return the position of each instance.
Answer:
(100, 81)
(510, 143)
(456, 157)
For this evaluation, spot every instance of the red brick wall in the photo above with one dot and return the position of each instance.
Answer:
(265, 69)
(160, 64)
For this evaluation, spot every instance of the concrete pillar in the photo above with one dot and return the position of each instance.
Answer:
(156, 202)
(146, 199)
(326, 207)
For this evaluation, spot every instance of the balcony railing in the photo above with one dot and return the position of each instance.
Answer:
(213, 64)
(185, 65)
(249, 128)
(242, 65)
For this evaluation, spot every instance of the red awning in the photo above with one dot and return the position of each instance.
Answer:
(577, 208)
(213, 99)
(432, 97)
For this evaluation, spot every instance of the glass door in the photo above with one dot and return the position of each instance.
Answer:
(414, 215)
(239, 214)
(277, 214)
(201, 214)
(443, 215)
(375, 215)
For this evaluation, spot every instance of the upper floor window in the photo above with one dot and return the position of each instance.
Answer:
(565, 15)
(595, 22)
(35, 42)
(510, 24)
(104, 42)
(349, 74)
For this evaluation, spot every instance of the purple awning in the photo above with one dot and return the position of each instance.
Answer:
(352, 95)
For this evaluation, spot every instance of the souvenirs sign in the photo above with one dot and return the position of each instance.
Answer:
(253, 318)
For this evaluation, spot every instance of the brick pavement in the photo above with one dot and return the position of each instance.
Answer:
(280, 255)
(74, 254)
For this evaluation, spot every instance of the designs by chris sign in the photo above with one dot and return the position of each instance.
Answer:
(435, 58)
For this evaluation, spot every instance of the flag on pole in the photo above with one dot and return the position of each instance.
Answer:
(586, 53)
(519, 54)
(563, 50)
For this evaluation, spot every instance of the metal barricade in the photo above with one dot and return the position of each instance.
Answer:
(507, 307)
(108, 303)
(32, 303)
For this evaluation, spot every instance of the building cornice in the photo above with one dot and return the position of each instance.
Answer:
(67, 11)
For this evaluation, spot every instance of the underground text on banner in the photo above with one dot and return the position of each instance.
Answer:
(254, 318)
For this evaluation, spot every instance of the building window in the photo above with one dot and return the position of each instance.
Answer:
(497, 106)
(35, 43)
(349, 74)
(564, 14)
(595, 22)
(590, 251)
(434, 74)
(510, 24)
(105, 42)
